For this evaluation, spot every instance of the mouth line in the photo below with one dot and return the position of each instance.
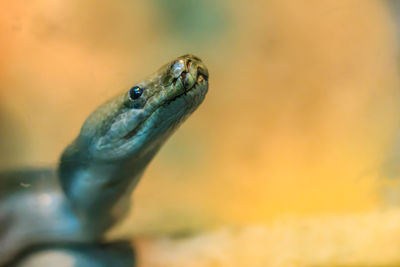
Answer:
(182, 77)
(200, 80)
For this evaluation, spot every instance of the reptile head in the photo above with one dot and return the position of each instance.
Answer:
(142, 117)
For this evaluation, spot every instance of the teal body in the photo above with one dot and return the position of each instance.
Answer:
(67, 210)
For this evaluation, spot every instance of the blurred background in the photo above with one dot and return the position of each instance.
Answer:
(292, 160)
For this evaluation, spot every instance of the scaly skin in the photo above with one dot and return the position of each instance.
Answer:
(90, 190)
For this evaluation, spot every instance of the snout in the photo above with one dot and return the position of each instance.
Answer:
(190, 70)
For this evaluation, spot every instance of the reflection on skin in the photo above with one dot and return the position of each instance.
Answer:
(45, 200)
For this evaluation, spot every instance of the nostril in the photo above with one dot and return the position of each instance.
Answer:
(189, 64)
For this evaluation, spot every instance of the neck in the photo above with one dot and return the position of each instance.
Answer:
(99, 188)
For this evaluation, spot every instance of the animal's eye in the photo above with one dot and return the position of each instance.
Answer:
(135, 92)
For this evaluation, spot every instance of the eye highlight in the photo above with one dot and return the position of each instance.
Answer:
(135, 92)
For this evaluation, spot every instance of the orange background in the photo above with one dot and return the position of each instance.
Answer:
(302, 116)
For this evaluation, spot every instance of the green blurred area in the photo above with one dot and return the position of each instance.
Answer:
(194, 22)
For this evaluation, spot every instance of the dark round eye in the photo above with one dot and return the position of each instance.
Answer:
(135, 92)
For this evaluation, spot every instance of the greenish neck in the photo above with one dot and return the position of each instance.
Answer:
(96, 188)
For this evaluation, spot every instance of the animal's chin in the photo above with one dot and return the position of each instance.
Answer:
(200, 85)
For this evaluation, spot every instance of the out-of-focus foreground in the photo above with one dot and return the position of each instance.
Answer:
(301, 121)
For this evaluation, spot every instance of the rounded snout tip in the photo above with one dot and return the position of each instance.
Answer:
(192, 61)
(190, 70)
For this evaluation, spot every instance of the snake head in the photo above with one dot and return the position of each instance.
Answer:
(138, 121)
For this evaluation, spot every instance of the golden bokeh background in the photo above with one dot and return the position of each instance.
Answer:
(301, 119)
